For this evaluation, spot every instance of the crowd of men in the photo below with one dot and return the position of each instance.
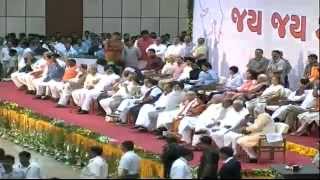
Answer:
(167, 88)
(22, 169)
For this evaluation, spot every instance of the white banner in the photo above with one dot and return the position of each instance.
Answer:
(235, 28)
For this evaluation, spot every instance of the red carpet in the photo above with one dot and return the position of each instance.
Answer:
(144, 140)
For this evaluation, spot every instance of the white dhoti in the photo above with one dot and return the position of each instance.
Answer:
(124, 107)
(282, 112)
(42, 87)
(105, 104)
(79, 96)
(126, 104)
(90, 96)
(166, 118)
(110, 104)
(201, 124)
(230, 138)
(309, 117)
(32, 82)
(143, 117)
(55, 89)
(185, 128)
(19, 78)
(65, 94)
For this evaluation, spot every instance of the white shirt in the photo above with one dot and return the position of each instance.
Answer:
(180, 169)
(309, 101)
(106, 81)
(187, 49)
(294, 97)
(130, 162)
(33, 171)
(234, 81)
(185, 73)
(15, 174)
(273, 89)
(5, 54)
(160, 49)
(96, 169)
(155, 92)
(174, 50)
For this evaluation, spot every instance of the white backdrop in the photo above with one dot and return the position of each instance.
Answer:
(234, 28)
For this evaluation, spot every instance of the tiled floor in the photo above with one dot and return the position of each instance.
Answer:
(50, 167)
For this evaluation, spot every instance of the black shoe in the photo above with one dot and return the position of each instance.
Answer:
(60, 106)
(44, 97)
(253, 160)
(162, 129)
(136, 127)
(142, 129)
(83, 112)
(37, 97)
(201, 132)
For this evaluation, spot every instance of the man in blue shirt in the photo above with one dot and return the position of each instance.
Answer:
(207, 78)
(55, 73)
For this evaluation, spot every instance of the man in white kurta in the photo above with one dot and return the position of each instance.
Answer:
(308, 102)
(88, 95)
(149, 112)
(213, 113)
(232, 119)
(71, 85)
(40, 68)
(148, 89)
(262, 125)
(226, 121)
(166, 118)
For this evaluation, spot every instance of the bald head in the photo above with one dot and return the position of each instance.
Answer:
(262, 78)
(237, 105)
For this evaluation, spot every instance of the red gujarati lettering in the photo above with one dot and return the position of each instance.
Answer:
(298, 27)
(279, 23)
(238, 18)
(318, 33)
(254, 21)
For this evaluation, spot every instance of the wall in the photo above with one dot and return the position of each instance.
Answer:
(132, 16)
(19, 16)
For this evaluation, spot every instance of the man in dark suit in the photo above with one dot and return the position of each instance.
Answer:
(231, 168)
(208, 167)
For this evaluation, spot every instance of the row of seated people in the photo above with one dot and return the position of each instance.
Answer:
(234, 114)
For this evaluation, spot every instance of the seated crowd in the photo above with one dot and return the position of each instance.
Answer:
(171, 89)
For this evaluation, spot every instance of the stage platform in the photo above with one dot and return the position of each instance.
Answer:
(145, 141)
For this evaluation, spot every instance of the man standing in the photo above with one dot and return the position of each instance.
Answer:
(113, 49)
(200, 52)
(31, 170)
(277, 66)
(208, 167)
(143, 43)
(231, 168)
(258, 64)
(158, 47)
(180, 168)
(97, 167)
(129, 165)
